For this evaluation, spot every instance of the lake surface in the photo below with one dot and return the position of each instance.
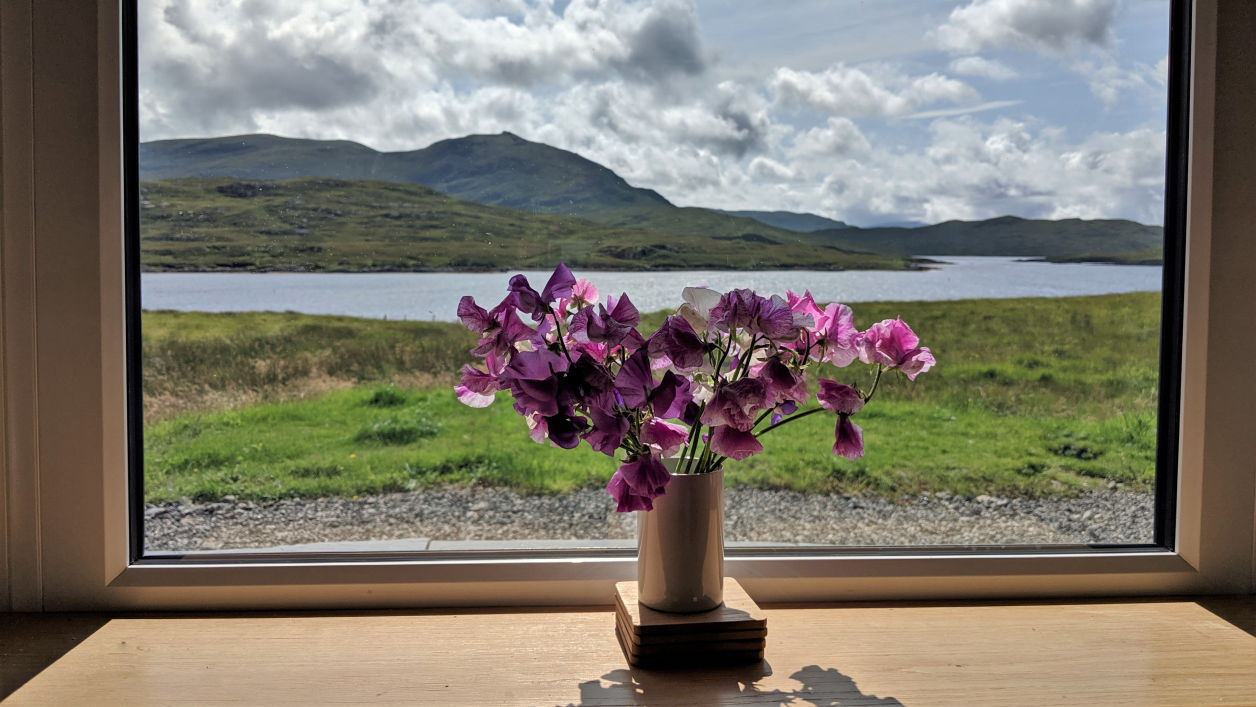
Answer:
(434, 296)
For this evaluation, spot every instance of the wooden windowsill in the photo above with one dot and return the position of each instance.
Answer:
(1116, 652)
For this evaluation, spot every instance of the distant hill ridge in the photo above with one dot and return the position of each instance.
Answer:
(507, 170)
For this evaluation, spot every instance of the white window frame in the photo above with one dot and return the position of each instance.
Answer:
(63, 503)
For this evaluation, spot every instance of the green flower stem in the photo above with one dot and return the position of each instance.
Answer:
(875, 383)
(788, 420)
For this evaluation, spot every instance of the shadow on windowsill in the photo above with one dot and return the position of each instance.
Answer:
(635, 686)
(31, 642)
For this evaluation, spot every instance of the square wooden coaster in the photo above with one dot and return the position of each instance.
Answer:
(702, 656)
(738, 613)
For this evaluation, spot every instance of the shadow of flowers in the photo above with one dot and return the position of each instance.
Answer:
(819, 686)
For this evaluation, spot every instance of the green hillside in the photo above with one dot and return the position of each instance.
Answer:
(790, 220)
(357, 226)
(1074, 240)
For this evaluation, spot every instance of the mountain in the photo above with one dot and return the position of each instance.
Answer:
(318, 224)
(1107, 240)
(789, 220)
(508, 171)
(498, 170)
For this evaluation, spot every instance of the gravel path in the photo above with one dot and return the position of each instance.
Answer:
(459, 514)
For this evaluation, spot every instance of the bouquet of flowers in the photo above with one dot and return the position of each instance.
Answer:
(716, 376)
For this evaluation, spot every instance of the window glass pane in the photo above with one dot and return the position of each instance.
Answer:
(321, 182)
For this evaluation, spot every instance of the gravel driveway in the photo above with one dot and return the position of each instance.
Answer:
(446, 517)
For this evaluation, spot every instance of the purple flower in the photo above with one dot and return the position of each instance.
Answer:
(728, 441)
(677, 340)
(646, 476)
(847, 438)
(735, 404)
(625, 498)
(839, 336)
(560, 284)
(566, 428)
(781, 383)
(505, 330)
(533, 380)
(610, 325)
(635, 380)
(893, 344)
(839, 398)
(743, 309)
(477, 388)
(667, 437)
(671, 396)
(473, 316)
(585, 382)
(608, 430)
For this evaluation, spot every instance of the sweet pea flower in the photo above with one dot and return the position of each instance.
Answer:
(893, 344)
(566, 428)
(780, 383)
(839, 398)
(645, 476)
(666, 437)
(583, 294)
(838, 335)
(728, 441)
(679, 343)
(610, 324)
(533, 380)
(625, 498)
(477, 388)
(847, 438)
(697, 307)
(528, 301)
(772, 317)
(608, 431)
(736, 404)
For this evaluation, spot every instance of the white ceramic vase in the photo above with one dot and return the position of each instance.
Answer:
(680, 545)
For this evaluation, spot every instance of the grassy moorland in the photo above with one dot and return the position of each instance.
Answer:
(335, 225)
(1030, 397)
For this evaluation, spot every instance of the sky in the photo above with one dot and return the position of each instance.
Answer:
(865, 111)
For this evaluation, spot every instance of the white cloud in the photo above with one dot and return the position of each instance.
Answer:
(973, 170)
(839, 137)
(853, 92)
(985, 68)
(1043, 25)
(401, 75)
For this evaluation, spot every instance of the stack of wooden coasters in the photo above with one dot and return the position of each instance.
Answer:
(731, 634)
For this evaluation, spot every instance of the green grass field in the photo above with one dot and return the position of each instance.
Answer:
(1030, 397)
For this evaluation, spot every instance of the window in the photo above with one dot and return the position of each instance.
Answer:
(81, 494)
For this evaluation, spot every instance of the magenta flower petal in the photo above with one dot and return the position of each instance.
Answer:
(847, 438)
(625, 498)
(527, 300)
(477, 388)
(565, 429)
(781, 383)
(728, 441)
(916, 362)
(671, 396)
(471, 398)
(839, 398)
(736, 404)
(887, 342)
(559, 285)
(473, 316)
(668, 437)
(635, 381)
(677, 340)
(607, 432)
(646, 476)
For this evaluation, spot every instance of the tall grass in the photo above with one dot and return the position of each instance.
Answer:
(1030, 397)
